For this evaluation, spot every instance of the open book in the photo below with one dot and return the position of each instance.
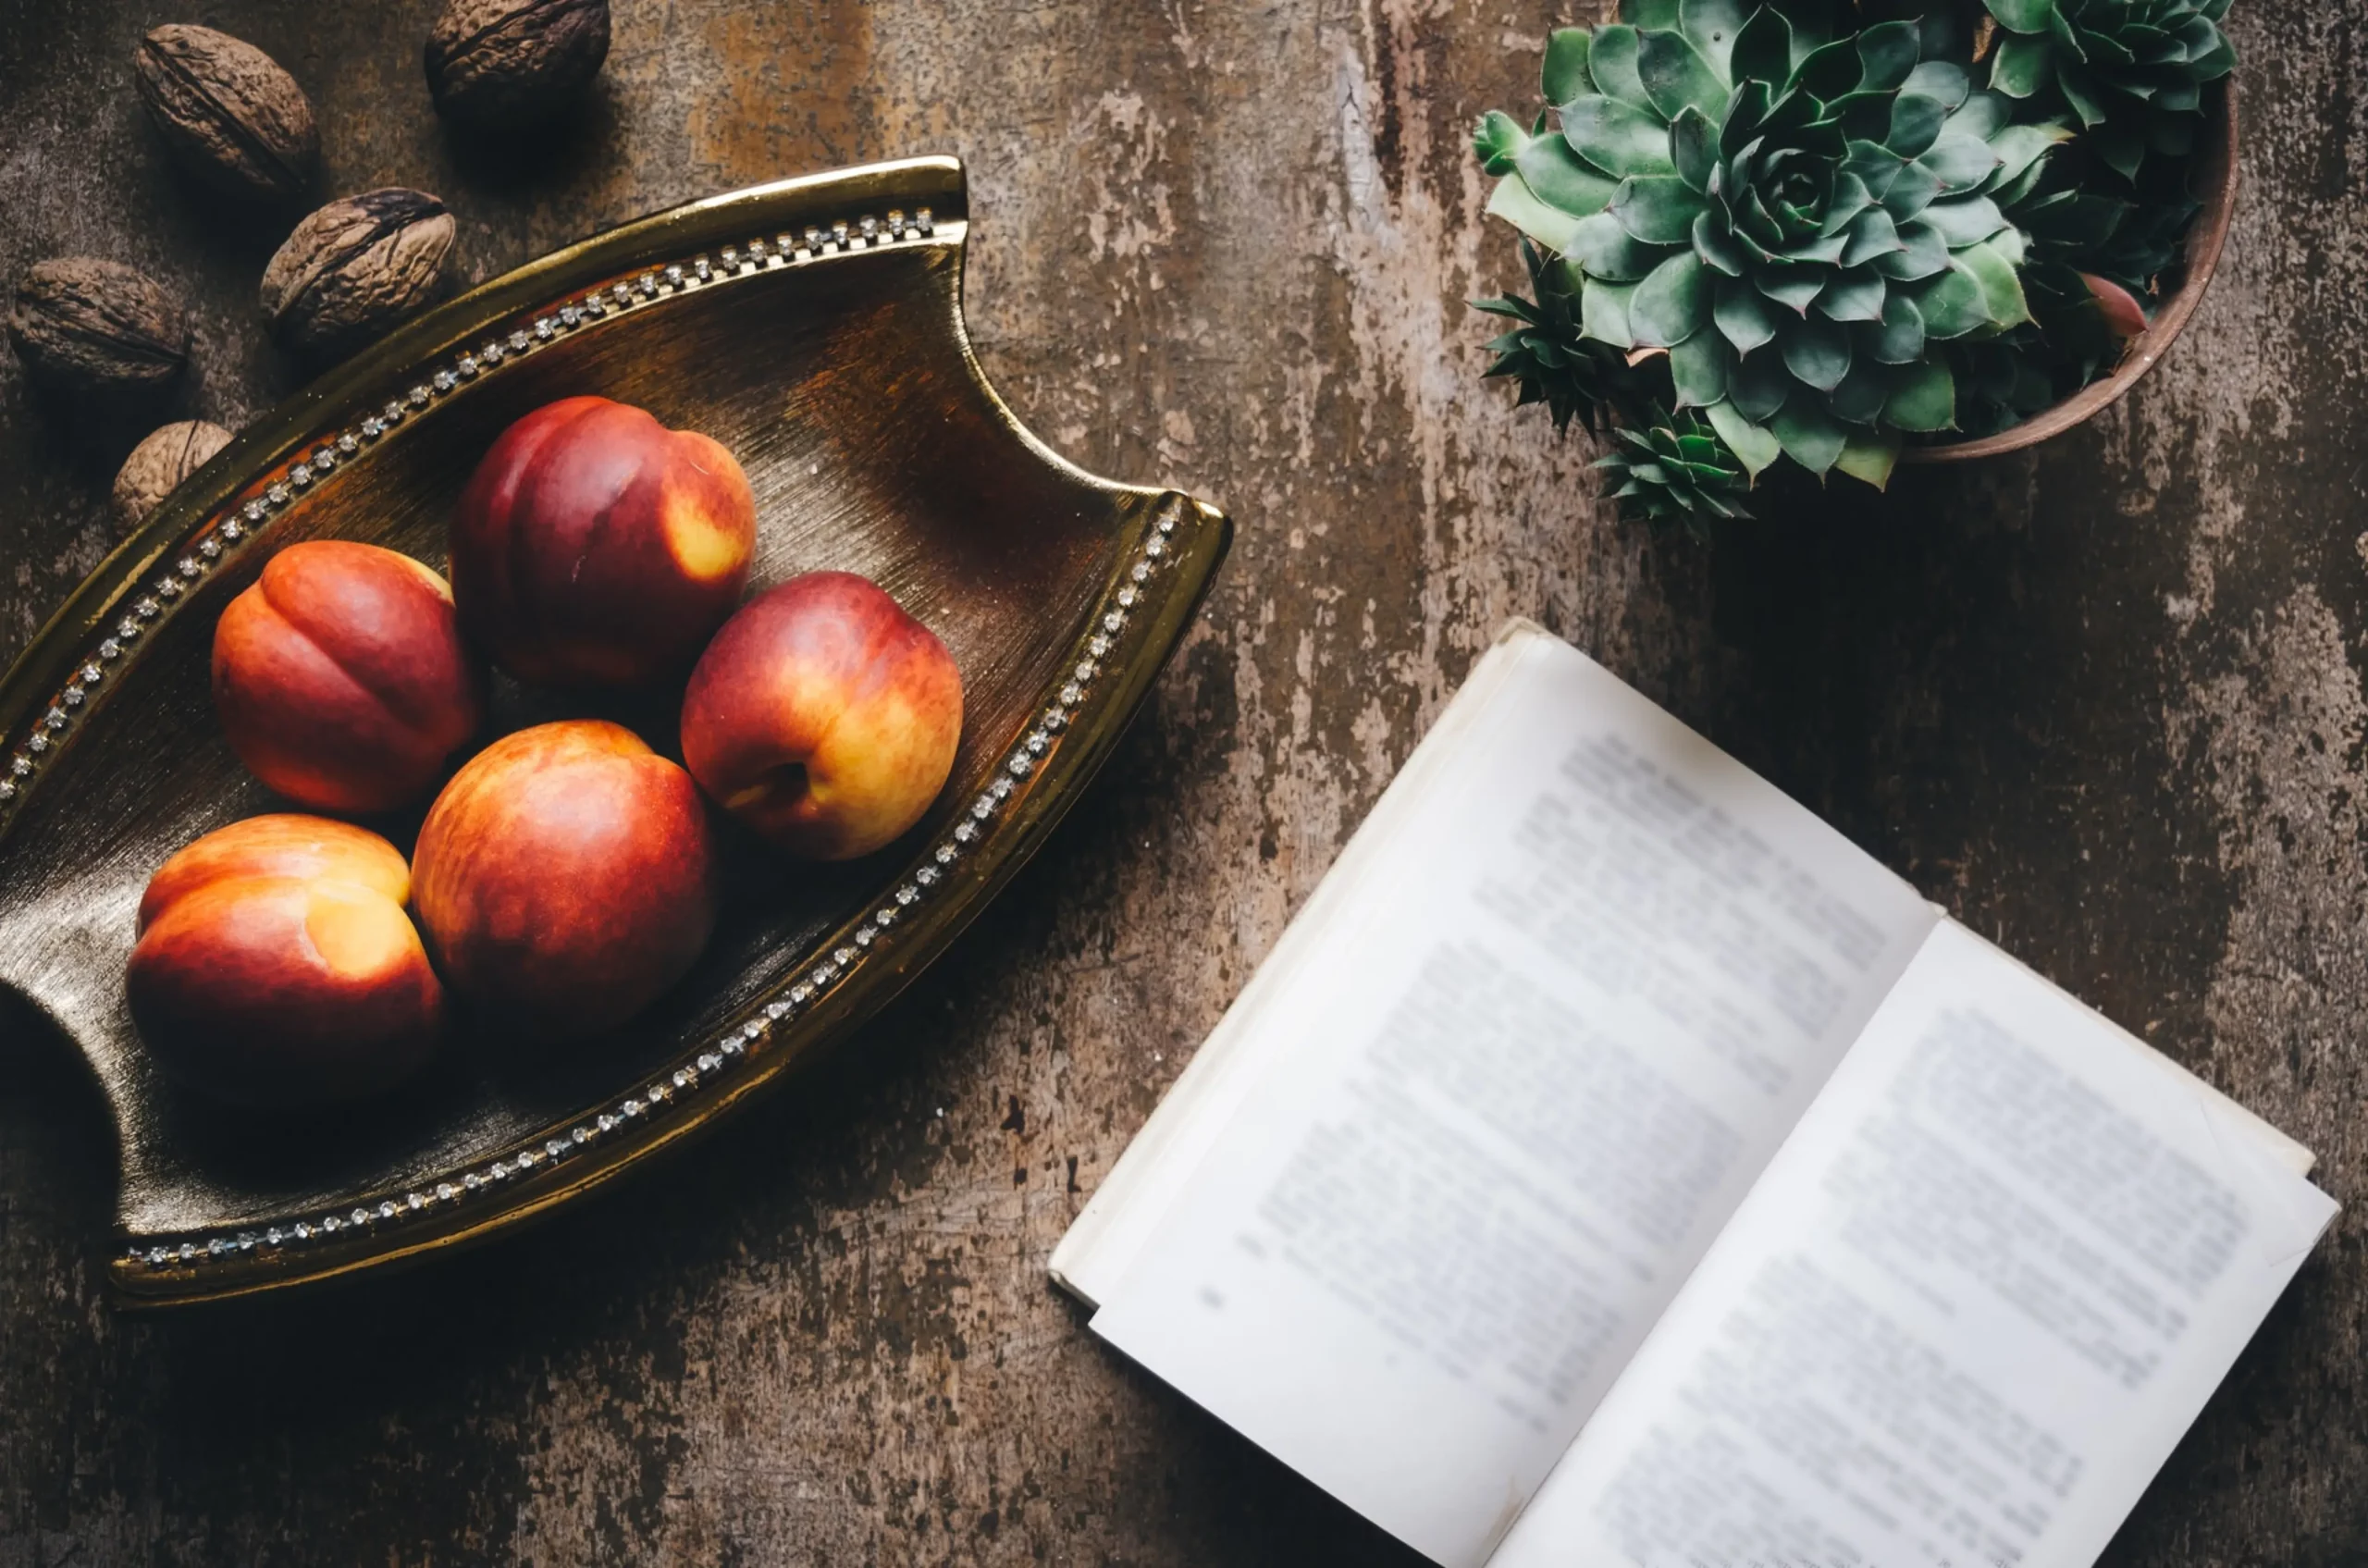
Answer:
(1612, 1164)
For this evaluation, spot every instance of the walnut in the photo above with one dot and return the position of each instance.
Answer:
(159, 464)
(497, 64)
(98, 328)
(228, 111)
(356, 268)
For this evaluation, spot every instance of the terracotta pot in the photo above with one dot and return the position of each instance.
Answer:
(2216, 185)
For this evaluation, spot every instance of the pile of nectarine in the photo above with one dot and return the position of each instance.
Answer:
(564, 876)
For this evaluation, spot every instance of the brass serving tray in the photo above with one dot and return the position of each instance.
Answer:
(814, 326)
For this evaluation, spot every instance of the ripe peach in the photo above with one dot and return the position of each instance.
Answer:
(565, 878)
(341, 679)
(276, 964)
(823, 716)
(595, 547)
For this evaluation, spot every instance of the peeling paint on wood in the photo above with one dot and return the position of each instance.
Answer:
(2104, 701)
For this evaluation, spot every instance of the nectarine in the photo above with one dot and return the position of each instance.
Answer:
(595, 547)
(823, 716)
(341, 678)
(276, 964)
(565, 878)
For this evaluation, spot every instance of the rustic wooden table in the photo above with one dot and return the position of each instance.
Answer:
(2105, 703)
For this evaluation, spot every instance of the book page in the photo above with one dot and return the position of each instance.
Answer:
(1133, 1195)
(1592, 977)
(1964, 1317)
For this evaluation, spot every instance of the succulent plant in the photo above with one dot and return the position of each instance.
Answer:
(1795, 219)
(2145, 247)
(1554, 362)
(2127, 228)
(1677, 471)
(2132, 71)
(2091, 269)
(1767, 228)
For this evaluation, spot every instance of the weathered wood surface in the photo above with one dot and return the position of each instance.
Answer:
(2106, 703)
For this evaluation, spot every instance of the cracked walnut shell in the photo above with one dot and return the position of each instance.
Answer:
(87, 326)
(158, 464)
(228, 112)
(356, 267)
(502, 64)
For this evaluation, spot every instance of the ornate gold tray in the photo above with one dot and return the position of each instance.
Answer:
(814, 327)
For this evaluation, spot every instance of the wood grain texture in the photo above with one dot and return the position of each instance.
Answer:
(2104, 701)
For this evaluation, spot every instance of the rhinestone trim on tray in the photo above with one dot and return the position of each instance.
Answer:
(700, 1067)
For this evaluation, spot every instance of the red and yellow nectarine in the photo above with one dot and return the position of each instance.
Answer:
(276, 964)
(565, 878)
(823, 716)
(595, 547)
(341, 678)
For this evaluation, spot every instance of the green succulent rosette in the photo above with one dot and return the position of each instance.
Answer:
(1676, 472)
(2133, 72)
(1797, 220)
(1550, 355)
(2097, 260)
